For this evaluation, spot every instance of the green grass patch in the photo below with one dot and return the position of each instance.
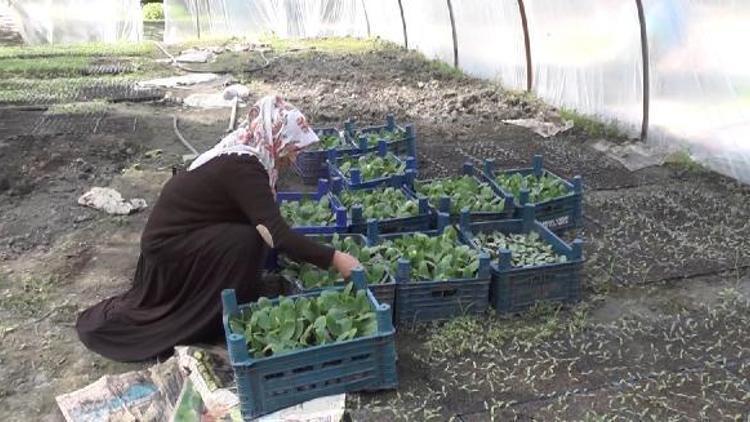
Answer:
(80, 50)
(684, 160)
(591, 126)
(327, 45)
(51, 91)
(44, 67)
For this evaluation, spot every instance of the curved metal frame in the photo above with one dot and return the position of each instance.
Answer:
(527, 45)
(455, 34)
(646, 70)
(403, 21)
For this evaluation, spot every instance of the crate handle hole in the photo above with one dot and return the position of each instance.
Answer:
(445, 293)
(360, 357)
(302, 369)
(336, 362)
(274, 375)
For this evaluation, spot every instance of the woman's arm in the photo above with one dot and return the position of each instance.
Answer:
(246, 184)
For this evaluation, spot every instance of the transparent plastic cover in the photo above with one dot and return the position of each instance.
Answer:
(586, 54)
(77, 21)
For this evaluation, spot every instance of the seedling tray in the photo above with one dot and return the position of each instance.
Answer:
(513, 289)
(358, 224)
(418, 301)
(443, 204)
(405, 146)
(313, 165)
(384, 292)
(338, 226)
(268, 384)
(559, 214)
(355, 181)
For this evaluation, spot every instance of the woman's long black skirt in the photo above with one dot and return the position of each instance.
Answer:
(176, 294)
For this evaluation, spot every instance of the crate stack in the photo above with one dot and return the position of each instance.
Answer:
(381, 213)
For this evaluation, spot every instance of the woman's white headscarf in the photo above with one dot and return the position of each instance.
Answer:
(273, 129)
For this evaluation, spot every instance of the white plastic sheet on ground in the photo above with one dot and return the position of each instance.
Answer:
(586, 54)
(77, 21)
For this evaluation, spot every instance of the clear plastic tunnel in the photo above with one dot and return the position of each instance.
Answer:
(76, 21)
(586, 55)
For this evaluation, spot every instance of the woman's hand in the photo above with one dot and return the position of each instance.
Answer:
(345, 263)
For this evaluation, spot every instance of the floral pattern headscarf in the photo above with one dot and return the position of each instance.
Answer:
(272, 130)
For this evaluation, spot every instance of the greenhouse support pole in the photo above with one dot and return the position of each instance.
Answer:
(527, 45)
(455, 36)
(403, 22)
(367, 18)
(197, 19)
(646, 70)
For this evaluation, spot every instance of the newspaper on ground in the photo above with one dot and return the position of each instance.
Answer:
(195, 385)
(144, 395)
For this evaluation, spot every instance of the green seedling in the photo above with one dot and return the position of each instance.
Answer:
(464, 192)
(327, 142)
(381, 203)
(528, 250)
(432, 258)
(307, 212)
(389, 136)
(541, 189)
(313, 277)
(293, 324)
(373, 166)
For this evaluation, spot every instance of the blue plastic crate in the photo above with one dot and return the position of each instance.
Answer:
(406, 146)
(358, 224)
(268, 384)
(557, 214)
(313, 165)
(514, 289)
(443, 204)
(384, 292)
(356, 181)
(339, 212)
(418, 301)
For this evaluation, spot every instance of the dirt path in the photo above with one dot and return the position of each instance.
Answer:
(633, 348)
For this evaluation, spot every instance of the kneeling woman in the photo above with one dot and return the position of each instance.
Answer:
(207, 232)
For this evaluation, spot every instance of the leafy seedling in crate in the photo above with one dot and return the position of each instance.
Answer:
(389, 136)
(381, 203)
(464, 192)
(307, 212)
(373, 166)
(541, 188)
(432, 258)
(294, 324)
(327, 142)
(312, 277)
(527, 250)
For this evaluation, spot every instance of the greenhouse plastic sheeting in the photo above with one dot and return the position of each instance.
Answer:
(428, 27)
(384, 18)
(76, 21)
(700, 80)
(285, 19)
(586, 54)
(490, 41)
